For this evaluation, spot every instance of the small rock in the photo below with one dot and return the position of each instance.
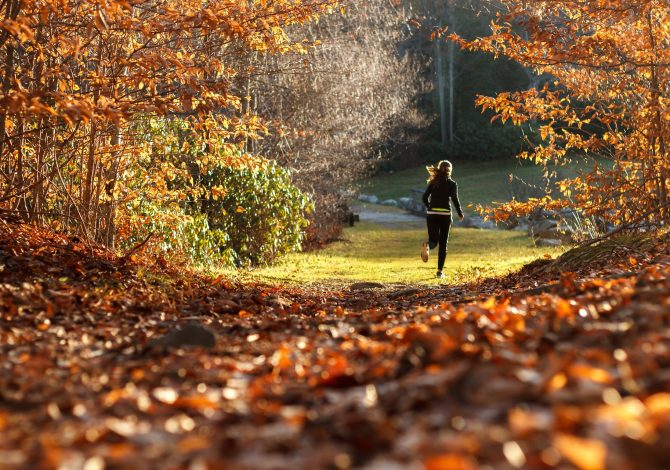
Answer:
(191, 334)
(372, 199)
(548, 242)
(565, 234)
(366, 285)
(511, 223)
(404, 293)
(477, 222)
(390, 202)
(412, 205)
(539, 226)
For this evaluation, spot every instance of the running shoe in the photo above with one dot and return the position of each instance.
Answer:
(440, 275)
(424, 252)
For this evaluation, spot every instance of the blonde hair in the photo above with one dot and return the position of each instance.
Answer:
(442, 169)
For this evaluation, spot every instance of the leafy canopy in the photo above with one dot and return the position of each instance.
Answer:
(607, 66)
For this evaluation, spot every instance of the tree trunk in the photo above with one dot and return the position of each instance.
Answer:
(439, 72)
(9, 72)
(87, 198)
(109, 234)
(452, 88)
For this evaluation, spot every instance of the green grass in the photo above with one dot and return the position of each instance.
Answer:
(390, 253)
(478, 182)
(372, 252)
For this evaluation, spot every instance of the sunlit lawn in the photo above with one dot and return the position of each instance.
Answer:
(373, 252)
(390, 254)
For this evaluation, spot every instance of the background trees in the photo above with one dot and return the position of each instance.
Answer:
(458, 129)
(610, 97)
(357, 99)
(110, 112)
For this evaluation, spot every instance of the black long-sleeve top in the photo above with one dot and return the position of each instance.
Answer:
(439, 193)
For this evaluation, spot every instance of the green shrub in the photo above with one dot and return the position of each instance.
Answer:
(210, 204)
(262, 213)
(176, 235)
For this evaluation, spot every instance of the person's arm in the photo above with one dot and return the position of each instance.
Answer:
(425, 197)
(457, 203)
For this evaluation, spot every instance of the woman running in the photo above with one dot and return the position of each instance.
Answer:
(441, 189)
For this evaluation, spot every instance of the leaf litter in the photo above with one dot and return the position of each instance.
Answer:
(114, 363)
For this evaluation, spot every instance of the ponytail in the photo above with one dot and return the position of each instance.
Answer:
(441, 171)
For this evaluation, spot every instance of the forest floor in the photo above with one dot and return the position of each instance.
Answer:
(109, 362)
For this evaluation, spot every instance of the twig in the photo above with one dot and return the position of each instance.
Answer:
(137, 247)
(624, 227)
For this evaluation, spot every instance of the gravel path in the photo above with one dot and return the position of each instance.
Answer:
(387, 217)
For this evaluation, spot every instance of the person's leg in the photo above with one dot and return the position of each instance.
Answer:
(433, 223)
(445, 226)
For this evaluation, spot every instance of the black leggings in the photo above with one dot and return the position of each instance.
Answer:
(438, 234)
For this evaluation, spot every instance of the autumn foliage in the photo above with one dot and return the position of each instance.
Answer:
(84, 82)
(605, 69)
(110, 110)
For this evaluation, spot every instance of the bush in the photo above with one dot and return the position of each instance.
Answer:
(175, 235)
(260, 216)
(207, 202)
(262, 212)
(327, 221)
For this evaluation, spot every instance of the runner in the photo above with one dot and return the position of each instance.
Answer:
(441, 190)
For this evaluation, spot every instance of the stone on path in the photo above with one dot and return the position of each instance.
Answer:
(372, 199)
(191, 334)
(548, 242)
(366, 286)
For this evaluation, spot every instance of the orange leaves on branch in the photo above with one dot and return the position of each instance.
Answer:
(90, 76)
(599, 90)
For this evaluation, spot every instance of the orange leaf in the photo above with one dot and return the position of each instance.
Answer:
(658, 404)
(563, 309)
(449, 462)
(196, 402)
(586, 454)
(557, 382)
(281, 359)
(193, 443)
(584, 371)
